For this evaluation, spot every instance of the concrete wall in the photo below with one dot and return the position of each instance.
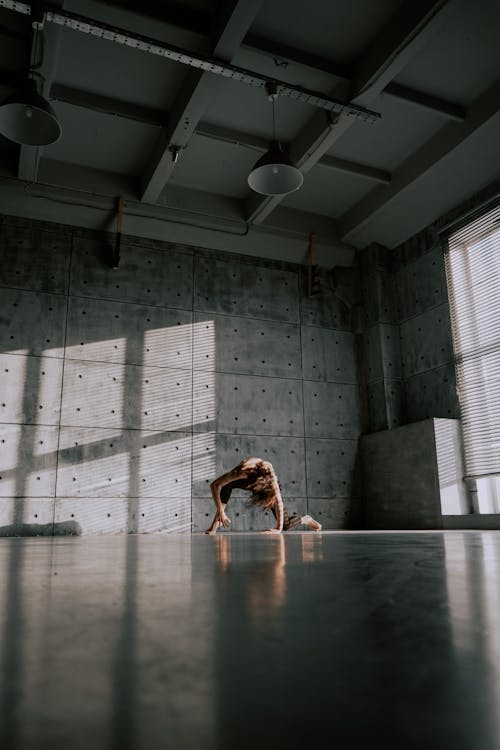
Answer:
(406, 344)
(124, 392)
(408, 381)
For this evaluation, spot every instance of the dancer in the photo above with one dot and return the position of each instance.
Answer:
(259, 477)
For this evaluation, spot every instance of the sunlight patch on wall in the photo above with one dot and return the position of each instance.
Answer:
(204, 406)
(168, 347)
(204, 345)
(204, 463)
(98, 351)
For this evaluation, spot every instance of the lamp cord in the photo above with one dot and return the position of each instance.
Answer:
(274, 124)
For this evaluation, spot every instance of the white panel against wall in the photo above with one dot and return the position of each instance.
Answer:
(450, 465)
(30, 389)
(32, 322)
(28, 458)
(126, 396)
(118, 463)
(109, 331)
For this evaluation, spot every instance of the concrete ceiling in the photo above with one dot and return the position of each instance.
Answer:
(429, 69)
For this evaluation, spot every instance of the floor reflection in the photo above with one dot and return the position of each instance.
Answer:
(376, 640)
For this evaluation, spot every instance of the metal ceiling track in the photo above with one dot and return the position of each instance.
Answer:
(121, 36)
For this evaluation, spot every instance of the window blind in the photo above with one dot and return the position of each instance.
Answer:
(473, 275)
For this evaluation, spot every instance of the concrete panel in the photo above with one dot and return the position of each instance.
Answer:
(421, 284)
(33, 258)
(114, 463)
(108, 331)
(400, 475)
(331, 410)
(124, 515)
(30, 388)
(246, 346)
(28, 459)
(243, 518)
(331, 467)
(332, 513)
(328, 355)
(147, 276)
(242, 404)
(26, 516)
(432, 394)
(426, 341)
(382, 353)
(215, 454)
(228, 286)
(386, 404)
(125, 396)
(325, 309)
(379, 298)
(33, 322)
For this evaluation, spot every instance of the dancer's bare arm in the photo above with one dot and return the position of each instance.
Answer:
(216, 486)
(279, 510)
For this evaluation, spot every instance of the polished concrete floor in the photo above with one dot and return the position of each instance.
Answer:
(369, 640)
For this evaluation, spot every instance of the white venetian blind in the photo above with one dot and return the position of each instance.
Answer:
(473, 275)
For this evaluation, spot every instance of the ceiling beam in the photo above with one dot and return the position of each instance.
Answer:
(194, 99)
(157, 118)
(434, 104)
(351, 167)
(29, 156)
(418, 164)
(285, 53)
(200, 23)
(107, 105)
(228, 135)
(406, 32)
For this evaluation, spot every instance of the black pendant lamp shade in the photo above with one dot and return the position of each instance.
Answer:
(27, 118)
(274, 173)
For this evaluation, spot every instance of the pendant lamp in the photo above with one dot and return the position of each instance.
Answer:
(274, 173)
(25, 116)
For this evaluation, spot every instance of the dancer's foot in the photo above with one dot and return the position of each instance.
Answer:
(311, 523)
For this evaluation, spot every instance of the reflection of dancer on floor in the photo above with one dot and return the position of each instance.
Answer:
(259, 477)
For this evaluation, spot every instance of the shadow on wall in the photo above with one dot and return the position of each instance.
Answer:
(120, 461)
(64, 528)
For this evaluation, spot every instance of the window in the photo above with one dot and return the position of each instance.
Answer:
(473, 275)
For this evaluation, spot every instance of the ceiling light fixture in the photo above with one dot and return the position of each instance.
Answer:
(25, 116)
(274, 173)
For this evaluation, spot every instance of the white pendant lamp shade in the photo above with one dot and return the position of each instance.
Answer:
(27, 118)
(274, 173)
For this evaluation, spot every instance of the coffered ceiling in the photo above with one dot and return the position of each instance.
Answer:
(389, 108)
